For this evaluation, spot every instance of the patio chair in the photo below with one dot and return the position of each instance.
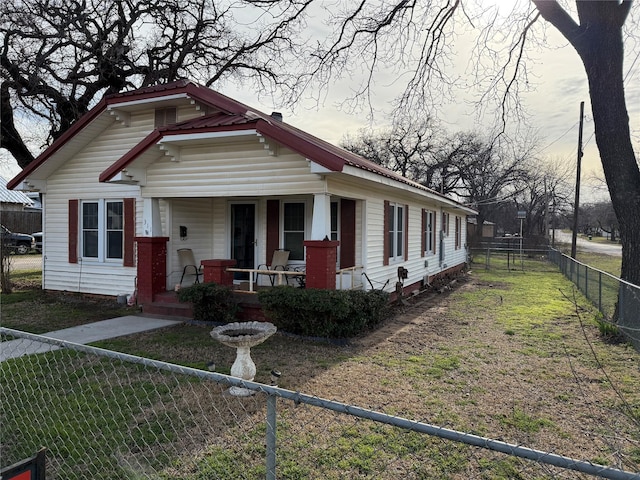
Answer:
(188, 264)
(278, 263)
(301, 279)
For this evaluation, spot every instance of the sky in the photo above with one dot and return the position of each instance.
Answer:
(553, 108)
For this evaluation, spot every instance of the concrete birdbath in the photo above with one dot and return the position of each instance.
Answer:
(242, 336)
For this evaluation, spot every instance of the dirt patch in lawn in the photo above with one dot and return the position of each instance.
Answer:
(556, 387)
(445, 359)
(468, 360)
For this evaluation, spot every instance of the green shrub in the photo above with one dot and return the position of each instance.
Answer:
(324, 313)
(211, 302)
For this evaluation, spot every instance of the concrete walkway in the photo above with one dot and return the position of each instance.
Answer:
(83, 334)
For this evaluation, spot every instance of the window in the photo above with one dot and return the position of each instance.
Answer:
(293, 230)
(102, 230)
(458, 232)
(334, 221)
(445, 223)
(429, 232)
(396, 232)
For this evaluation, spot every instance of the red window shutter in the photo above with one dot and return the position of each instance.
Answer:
(73, 231)
(385, 254)
(129, 231)
(273, 227)
(347, 233)
(423, 231)
(406, 232)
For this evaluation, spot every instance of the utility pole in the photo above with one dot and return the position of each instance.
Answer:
(547, 212)
(576, 202)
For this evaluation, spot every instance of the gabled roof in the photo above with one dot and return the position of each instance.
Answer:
(229, 115)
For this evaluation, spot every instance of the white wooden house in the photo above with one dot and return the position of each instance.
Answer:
(192, 168)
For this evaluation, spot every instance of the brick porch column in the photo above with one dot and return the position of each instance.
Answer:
(152, 267)
(216, 271)
(321, 263)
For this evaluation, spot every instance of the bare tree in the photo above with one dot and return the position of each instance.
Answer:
(419, 36)
(599, 216)
(409, 148)
(546, 185)
(57, 59)
(486, 174)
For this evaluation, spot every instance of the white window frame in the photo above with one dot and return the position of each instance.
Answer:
(429, 232)
(305, 232)
(102, 231)
(395, 219)
(446, 219)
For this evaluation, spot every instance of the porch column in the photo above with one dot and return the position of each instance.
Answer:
(215, 271)
(321, 220)
(152, 267)
(151, 224)
(321, 263)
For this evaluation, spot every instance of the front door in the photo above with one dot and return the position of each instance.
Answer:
(243, 237)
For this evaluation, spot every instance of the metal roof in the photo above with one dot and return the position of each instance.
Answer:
(11, 196)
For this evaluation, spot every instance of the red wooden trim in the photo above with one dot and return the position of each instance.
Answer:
(273, 228)
(347, 233)
(385, 254)
(423, 231)
(73, 230)
(129, 231)
(130, 156)
(406, 232)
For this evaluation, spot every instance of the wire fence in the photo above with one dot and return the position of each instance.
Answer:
(498, 257)
(104, 414)
(614, 298)
(21, 263)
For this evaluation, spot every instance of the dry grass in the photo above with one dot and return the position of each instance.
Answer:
(508, 356)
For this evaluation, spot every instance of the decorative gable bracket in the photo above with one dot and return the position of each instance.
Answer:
(170, 151)
(269, 145)
(31, 185)
(121, 116)
(130, 176)
(201, 107)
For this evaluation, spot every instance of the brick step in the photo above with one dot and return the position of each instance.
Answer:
(166, 297)
(166, 304)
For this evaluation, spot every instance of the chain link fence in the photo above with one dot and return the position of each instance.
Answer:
(21, 263)
(103, 414)
(510, 258)
(614, 298)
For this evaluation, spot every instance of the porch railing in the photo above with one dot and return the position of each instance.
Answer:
(346, 278)
(279, 275)
(349, 278)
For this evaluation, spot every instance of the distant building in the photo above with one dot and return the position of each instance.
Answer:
(13, 201)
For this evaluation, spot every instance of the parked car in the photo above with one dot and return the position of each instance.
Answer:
(39, 237)
(19, 243)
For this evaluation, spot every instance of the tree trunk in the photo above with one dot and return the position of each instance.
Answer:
(603, 60)
(598, 41)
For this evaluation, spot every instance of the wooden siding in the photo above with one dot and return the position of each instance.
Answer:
(78, 179)
(197, 216)
(373, 234)
(196, 192)
(231, 170)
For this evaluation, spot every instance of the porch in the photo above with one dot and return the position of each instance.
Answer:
(166, 303)
(319, 271)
